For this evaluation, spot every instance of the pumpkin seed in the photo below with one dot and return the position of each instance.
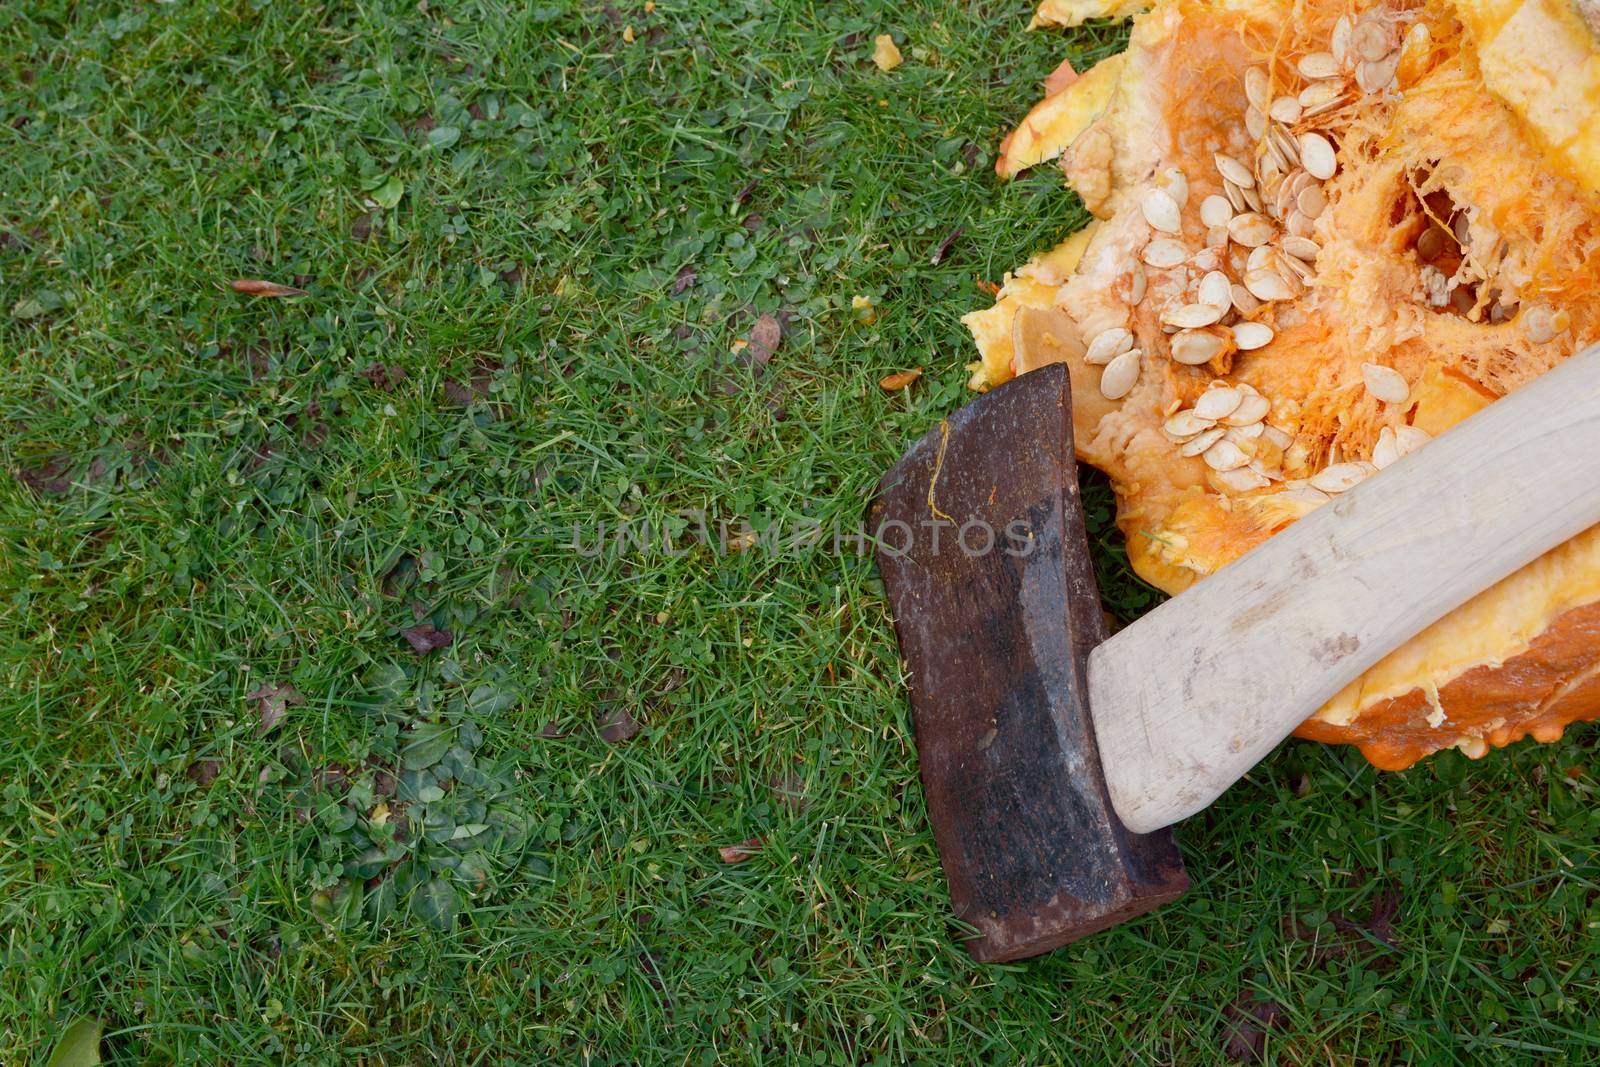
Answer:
(1199, 444)
(1248, 432)
(1216, 290)
(1176, 184)
(1217, 236)
(1339, 478)
(1164, 253)
(1192, 316)
(1542, 323)
(1311, 201)
(1137, 283)
(1287, 265)
(1385, 383)
(1242, 480)
(1370, 40)
(1319, 97)
(1235, 196)
(1251, 230)
(1251, 409)
(1286, 109)
(1303, 248)
(1108, 345)
(1225, 456)
(1288, 147)
(1410, 438)
(1279, 437)
(1250, 336)
(1340, 45)
(1377, 75)
(1120, 376)
(1218, 403)
(1317, 156)
(1161, 211)
(1252, 199)
(1386, 451)
(1318, 65)
(1299, 225)
(1215, 210)
(1267, 285)
(1258, 88)
(1245, 301)
(1185, 426)
(1233, 170)
(1255, 123)
(1194, 347)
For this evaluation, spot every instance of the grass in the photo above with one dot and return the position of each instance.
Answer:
(243, 820)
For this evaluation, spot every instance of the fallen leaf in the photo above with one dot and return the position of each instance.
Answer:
(1248, 1021)
(765, 337)
(49, 477)
(790, 790)
(425, 637)
(552, 732)
(204, 771)
(685, 280)
(272, 703)
(740, 852)
(1060, 78)
(259, 287)
(944, 247)
(79, 1045)
(899, 380)
(986, 287)
(361, 228)
(617, 723)
(745, 190)
(884, 53)
(385, 377)
(627, 35)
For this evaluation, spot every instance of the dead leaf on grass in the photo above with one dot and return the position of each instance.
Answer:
(617, 723)
(1246, 1026)
(425, 637)
(272, 703)
(740, 852)
(261, 287)
(685, 280)
(765, 337)
(899, 380)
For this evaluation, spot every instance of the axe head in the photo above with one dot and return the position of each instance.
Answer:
(983, 553)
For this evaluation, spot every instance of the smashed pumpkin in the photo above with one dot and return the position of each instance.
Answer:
(1324, 233)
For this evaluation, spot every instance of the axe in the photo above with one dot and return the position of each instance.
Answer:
(1053, 757)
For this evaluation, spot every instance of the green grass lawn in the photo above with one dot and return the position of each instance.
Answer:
(243, 819)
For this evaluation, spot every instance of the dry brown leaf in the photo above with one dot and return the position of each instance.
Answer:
(884, 53)
(765, 336)
(272, 703)
(740, 852)
(899, 380)
(260, 287)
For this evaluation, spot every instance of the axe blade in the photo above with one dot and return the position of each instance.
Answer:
(986, 564)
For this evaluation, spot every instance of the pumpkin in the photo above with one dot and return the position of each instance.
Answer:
(1325, 232)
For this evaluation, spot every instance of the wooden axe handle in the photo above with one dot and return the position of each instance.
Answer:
(1193, 695)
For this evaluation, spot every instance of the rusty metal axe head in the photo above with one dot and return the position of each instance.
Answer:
(983, 553)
